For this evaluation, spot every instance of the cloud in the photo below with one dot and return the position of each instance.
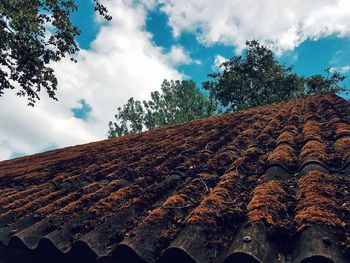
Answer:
(281, 24)
(218, 60)
(121, 63)
(342, 70)
(178, 56)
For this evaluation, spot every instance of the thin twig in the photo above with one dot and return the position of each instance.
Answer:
(206, 187)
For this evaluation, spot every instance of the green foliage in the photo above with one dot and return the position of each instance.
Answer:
(27, 46)
(130, 119)
(257, 78)
(177, 102)
(318, 84)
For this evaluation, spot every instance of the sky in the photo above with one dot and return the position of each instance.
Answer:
(152, 40)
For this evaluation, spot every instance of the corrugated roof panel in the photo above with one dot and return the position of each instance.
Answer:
(268, 185)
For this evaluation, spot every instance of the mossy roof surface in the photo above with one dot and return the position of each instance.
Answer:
(269, 184)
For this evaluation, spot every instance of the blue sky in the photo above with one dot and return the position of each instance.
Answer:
(310, 57)
(151, 40)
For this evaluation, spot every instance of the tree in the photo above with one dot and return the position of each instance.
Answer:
(257, 78)
(177, 102)
(318, 84)
(130, 119)
(33, 34)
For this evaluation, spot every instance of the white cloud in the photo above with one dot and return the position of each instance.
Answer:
(178, 56)
(218, 60)
(122, 63)
(343, 70)
(282, 24)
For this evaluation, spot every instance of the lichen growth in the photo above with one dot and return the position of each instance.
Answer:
(312, 130)
(249, 133)
(218, 202)
(282, 153)
(107, 205)
(19, 195)
(54, 206)
(316, 200)
(342, 128)
(342, 147)
(268, 204)
(314, 149)
(156, 214)
(286, 137)
(91, 197)
(175, 201)
(334, 121)
(29, 204)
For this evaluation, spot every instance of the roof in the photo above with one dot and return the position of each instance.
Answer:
(268, 184)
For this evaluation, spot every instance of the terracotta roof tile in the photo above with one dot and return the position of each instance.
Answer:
(268, 184)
